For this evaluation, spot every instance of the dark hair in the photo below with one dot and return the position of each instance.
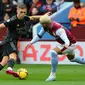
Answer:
(36, 7)
(21, 5)
(76, 1)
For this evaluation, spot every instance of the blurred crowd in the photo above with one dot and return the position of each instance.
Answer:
(39, 7)
(35, 7)
(77, 13)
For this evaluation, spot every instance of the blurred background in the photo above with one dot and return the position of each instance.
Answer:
(61, 10)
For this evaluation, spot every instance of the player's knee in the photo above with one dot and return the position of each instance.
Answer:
(13, 56)
(70, 56)
(53, 53)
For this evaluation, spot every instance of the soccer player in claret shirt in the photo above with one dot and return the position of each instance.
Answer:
(9, 45)
(66, 43)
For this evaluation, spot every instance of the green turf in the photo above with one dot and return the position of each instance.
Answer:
(66, 75)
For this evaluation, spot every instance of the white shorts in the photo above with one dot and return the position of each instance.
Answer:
(70, 49)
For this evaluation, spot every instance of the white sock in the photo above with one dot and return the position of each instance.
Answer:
(9, 68)
(79, 59)
(52, 74)
(54, 61)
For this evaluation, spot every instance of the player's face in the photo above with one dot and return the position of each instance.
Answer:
(47, 26)
(21, 12)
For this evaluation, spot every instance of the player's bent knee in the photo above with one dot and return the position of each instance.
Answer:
(53, 53)
(13, 56)
(70, 56)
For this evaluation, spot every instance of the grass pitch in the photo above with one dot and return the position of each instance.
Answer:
(66, 75)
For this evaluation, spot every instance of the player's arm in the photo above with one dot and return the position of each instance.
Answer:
(37, 17)
(62, 34)
(38, 36)
(6, 23)
(2, 26)
(27, 18)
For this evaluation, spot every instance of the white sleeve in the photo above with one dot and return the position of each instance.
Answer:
(42, 32)
(38, 36)
(62, 34)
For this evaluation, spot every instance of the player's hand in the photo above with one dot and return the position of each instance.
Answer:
(72, 47)
(66, 46)
(48, 13)
(26, 18)
(29, 45)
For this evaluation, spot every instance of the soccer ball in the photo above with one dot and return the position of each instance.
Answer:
(23, 73)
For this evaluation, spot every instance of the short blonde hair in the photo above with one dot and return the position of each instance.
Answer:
(45, 19)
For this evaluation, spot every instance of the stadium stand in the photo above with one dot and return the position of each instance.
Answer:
(59, 16)
(79, 32)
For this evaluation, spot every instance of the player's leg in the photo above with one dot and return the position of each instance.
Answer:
(78, 59)
(12, 60)
(72, 57)
(3, 62)
(11, 63)
(54, 64)
(3, 59)
(12, 52)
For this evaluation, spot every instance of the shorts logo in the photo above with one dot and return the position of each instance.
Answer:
(8, 20)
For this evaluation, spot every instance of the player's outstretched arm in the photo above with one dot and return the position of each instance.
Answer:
(37, 17)
(34, 40)
(27, 18)
(2, 26)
